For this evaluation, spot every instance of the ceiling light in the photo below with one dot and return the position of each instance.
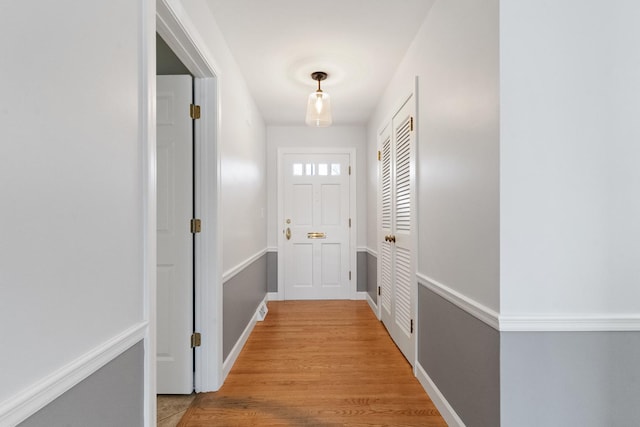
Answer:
(319, 105)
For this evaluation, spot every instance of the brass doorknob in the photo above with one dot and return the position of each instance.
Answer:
(287, 233)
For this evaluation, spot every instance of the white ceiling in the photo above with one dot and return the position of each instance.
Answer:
(279, 43)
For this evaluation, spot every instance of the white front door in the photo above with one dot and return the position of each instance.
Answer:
(175, 241)
(316, 225)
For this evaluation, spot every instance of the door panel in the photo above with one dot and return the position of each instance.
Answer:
(331, 259)
(316, 211)
(175, 242)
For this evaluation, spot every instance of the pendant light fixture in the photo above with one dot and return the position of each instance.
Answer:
(319, 104)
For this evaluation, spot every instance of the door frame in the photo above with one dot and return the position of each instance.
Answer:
(282, 151)
(174, 26)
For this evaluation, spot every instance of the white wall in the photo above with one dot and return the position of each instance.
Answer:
(243, 148)
(71, 179)
(455, 56)
(304, 136)
(570, 145)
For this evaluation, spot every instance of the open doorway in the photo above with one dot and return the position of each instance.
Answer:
(207, 291)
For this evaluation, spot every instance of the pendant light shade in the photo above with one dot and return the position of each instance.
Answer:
(319, 104)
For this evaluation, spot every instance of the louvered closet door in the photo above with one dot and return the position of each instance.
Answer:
(397, 271)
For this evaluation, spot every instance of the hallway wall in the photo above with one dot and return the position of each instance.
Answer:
(569, 148)
(75, 200)
(570, 235)
(455, 56)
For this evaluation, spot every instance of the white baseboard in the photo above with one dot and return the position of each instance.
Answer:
(237, 348)
(360, 296)
(447, 412)
(373, 305)
(24, 404)
(274, 296)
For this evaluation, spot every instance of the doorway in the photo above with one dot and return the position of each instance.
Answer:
(207, 293)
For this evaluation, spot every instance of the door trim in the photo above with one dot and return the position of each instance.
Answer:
(282, 151)
(174, 26)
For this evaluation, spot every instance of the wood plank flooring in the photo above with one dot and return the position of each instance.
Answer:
(317, 363)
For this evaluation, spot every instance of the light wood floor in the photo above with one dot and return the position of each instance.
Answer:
(317, 363)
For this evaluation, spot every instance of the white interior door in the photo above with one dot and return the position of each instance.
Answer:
(316, 242)
(175, 241)
(397, 253)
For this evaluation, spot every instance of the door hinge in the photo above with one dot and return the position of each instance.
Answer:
(379, 291)
(196, 339)
(194, 111)
(379, 155)
(349, 222)
(411, 325)
(196, 225)
(412, 124)
(349, 170)
(349, 274)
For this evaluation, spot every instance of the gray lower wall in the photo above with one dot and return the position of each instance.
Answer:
(372, 277)
(586, 379)
(272, 271)
(361, 260)
(461, 354)
(241, 296)
(111, 396)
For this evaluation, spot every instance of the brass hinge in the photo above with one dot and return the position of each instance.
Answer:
(349, 170)
(379, 155)
(349, 274)
(194, 111)
(349, 222)
(379, 291)
(196, 225)
(411, 325)
(196, 339)
(412, 124)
